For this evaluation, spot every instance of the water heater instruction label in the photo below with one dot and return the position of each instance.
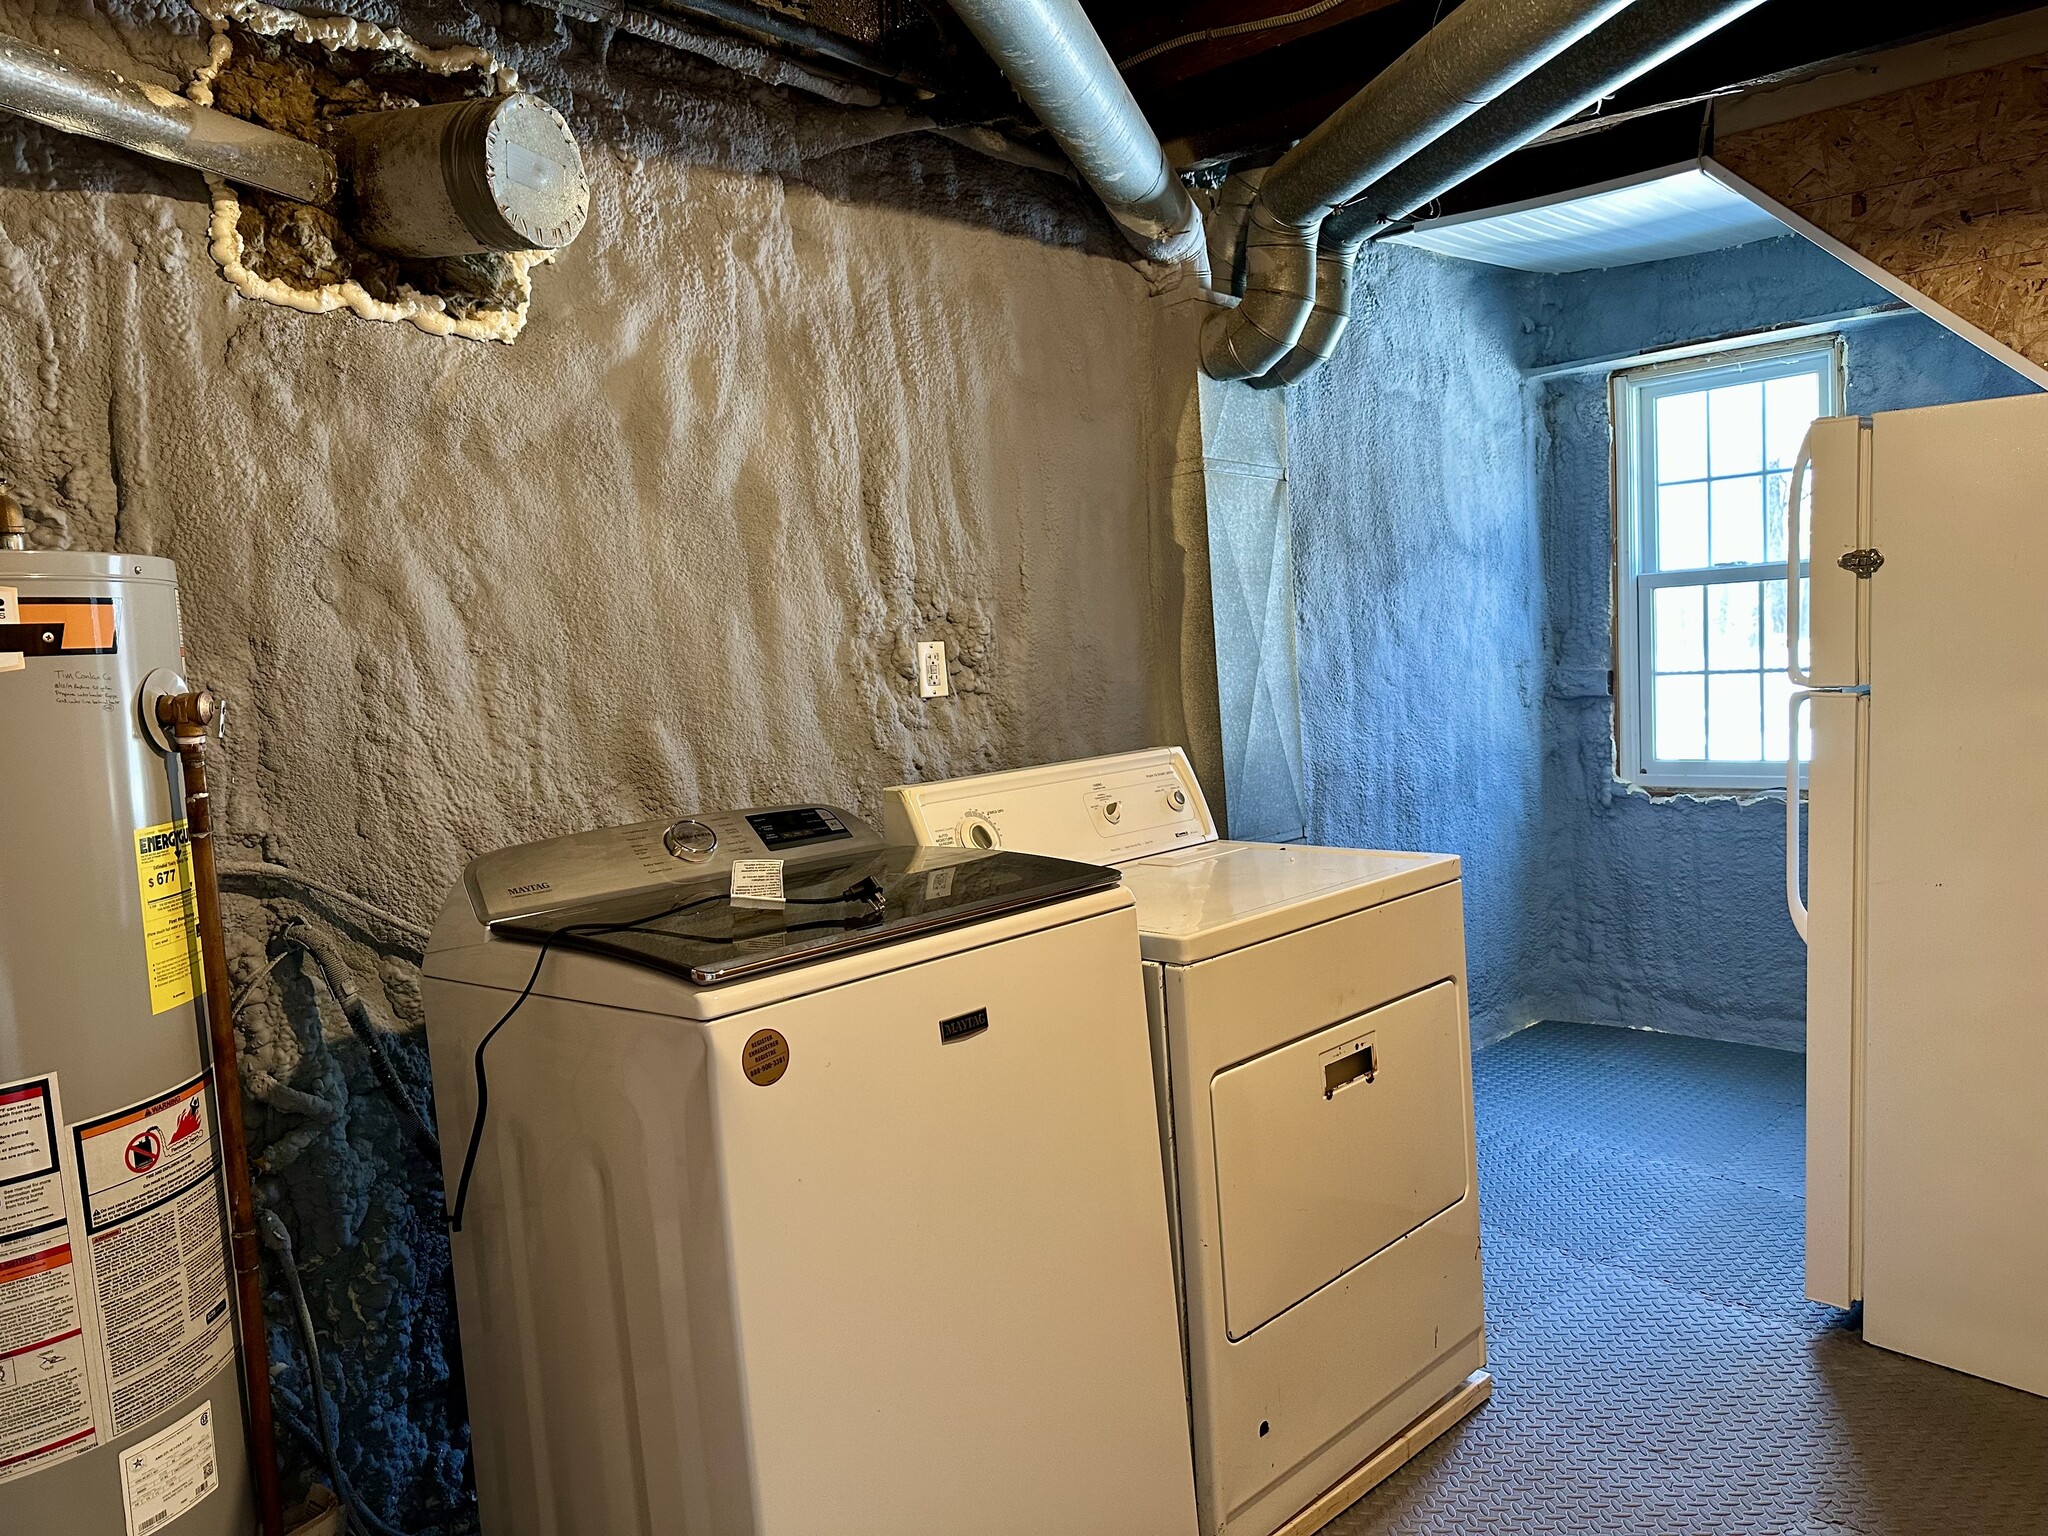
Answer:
(48, 1412)
(163, 865)
(151, 1196)
(10, 613)
(169, 1472)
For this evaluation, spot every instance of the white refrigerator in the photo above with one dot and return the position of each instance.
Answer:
(1924, 897)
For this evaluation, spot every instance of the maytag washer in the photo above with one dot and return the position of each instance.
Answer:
(1314, 1084)
(840, 1217)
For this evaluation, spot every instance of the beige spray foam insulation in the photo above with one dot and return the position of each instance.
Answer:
(338, 34)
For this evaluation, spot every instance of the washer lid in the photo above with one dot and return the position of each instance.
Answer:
(834, 906)
(1200, 902)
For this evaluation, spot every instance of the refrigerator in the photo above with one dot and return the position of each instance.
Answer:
(1923, 895)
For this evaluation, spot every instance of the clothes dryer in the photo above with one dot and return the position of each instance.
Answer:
(1314, 1091)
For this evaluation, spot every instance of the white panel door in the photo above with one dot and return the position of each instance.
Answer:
(1955, 1210)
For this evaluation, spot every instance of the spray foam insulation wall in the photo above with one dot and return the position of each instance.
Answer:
(1944, 185)
(798, 397)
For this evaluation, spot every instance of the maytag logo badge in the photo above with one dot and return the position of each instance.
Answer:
(962, 1025)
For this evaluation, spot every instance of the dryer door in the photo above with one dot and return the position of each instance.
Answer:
(1331, 1148)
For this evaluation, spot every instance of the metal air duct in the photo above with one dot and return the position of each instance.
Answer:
(1052, 57)
(152, 121)
(1636, 41)
(1481, 50)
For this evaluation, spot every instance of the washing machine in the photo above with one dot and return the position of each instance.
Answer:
(1313, 1083)
(837, 1214)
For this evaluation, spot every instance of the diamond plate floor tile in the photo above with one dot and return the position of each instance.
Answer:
(1658, 1372)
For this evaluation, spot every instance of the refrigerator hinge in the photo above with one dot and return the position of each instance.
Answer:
(1861, 563)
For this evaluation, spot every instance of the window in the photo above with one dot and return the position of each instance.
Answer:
(1703, 458)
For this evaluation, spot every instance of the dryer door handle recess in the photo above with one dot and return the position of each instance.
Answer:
(1348, 1065)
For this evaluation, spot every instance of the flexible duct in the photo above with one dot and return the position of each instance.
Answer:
(152, 121)
(1479, 51)
(1052, 57)
(1636, 41)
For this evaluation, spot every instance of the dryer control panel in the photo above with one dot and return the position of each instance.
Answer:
(697, 849)
(1103, 810)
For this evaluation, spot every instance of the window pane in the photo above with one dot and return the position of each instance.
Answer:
(1737, 521)
(1734, 717)
(1775, 487)
(1777, 698)
(1774, 626)
(1682, 437)
(1681, 527)
(1679, 720)
(1680, 624)
(1789, 408)
(1732, 632)
(1735, 429)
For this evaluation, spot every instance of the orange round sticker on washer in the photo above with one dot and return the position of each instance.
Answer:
(765, 1057)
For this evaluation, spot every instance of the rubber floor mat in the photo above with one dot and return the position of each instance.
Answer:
(1657, 1370)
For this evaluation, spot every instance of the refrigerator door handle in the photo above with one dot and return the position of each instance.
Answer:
(1802, 463)
(1795, 901)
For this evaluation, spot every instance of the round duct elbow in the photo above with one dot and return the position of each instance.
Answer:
(499, 173)
(1326, 325)
(1279, 294)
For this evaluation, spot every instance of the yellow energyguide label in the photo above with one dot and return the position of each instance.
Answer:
(170, 919)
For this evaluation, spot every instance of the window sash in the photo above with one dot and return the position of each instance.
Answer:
(1633, 399)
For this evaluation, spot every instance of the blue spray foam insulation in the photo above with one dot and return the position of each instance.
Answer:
(1419, 576)
(1454, 549)
(332, 1157)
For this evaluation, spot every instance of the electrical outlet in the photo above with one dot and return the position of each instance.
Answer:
(931, 670)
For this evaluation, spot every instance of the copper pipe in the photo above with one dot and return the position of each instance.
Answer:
(13, 526)
(186, 716)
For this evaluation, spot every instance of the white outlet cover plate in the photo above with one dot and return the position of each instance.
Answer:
(932, 682)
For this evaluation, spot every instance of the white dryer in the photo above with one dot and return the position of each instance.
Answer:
(838, 1217)
(1314, 1082)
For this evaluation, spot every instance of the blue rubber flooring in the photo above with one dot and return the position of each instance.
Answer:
(1657, 1370)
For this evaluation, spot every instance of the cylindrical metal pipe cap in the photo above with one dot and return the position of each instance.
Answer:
(499, 173)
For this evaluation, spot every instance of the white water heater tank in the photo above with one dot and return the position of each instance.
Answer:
(120, 1410)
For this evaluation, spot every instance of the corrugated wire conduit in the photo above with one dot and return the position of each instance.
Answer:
(1481, 50)
(1639, 39)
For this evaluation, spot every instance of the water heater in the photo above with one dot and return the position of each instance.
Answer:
(120, 1411)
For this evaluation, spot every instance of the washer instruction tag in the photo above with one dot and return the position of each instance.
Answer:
(170, 920)
(48, 1411)
(168, 1473)
(757, 880)
(10, 613)
(150, 1189)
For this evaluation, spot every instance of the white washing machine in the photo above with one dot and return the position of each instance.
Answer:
(1314, 1081)
(835, 1217)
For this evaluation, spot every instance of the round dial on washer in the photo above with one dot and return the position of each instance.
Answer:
(690, 841)
(1178, 799)
(1112, 811)
(979, 832)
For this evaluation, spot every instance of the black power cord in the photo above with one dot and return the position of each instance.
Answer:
(867, 892)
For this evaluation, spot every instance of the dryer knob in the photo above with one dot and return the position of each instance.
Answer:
(979, 832)
(690, 841)
(1178, 799)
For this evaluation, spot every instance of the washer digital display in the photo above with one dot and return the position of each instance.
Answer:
(796, 827)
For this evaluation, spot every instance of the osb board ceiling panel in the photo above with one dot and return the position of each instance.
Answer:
(1943, 185)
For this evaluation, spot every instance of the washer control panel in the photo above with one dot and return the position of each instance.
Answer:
(652, 855)
(1100, 811)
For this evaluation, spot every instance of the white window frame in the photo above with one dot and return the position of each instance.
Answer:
(1630, 392)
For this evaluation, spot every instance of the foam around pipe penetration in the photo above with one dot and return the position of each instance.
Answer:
(411, 305)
